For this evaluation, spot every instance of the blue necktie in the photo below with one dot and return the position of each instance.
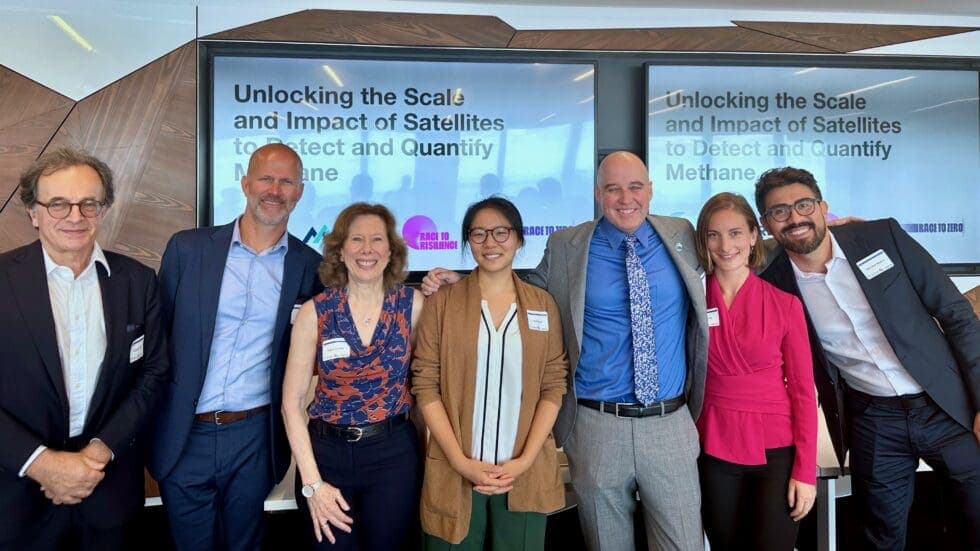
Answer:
(646, 381)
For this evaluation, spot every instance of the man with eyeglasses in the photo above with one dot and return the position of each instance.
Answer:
(230, 294)
(896, 354)
(632, 303)
(84, 360)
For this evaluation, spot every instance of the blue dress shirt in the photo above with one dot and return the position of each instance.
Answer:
(605, 367)
(239, 366)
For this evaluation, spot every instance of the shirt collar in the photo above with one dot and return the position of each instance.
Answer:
(615, 236)
(97, 256)
(281, 245)
(836, 254)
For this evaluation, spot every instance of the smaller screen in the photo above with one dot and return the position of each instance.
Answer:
(425, 138)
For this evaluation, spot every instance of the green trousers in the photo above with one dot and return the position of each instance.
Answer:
(508, 531)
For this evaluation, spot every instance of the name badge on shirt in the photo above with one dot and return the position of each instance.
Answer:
(713, 319)
(136, 349)
(294, 313)
(537, 320)
(335, 348)
(874, 264)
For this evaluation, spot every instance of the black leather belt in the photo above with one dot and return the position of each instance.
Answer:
(905, 401)
(222, 417)
(354, 433)
(620, 409)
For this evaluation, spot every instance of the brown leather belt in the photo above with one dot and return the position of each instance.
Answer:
(222, 417)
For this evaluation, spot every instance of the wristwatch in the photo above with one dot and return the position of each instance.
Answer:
(308, 489)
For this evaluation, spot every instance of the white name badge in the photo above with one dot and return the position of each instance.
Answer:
(874, 264)
(136, 349)
(713, 319)
(537, 320)
(335, 348)
(294, 313)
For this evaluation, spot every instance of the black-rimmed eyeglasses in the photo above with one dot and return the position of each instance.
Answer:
(803, 207)
(59, 208)
(479, 235)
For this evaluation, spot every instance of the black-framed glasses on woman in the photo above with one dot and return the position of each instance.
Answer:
(60, 208)
(803, 207)
(479, 235)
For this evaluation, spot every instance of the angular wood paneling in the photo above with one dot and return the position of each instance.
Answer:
(397, 29)
(842, 38)
(142, 126)
(691, 39)
(29, 117)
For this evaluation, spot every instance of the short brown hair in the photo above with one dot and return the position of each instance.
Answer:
(60, 159)
(737, 203)
(333, 272)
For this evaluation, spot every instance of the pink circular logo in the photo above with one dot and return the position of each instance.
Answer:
(414, 227)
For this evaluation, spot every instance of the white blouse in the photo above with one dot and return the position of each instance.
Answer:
(498, 387)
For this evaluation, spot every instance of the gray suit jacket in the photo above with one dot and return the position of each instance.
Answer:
(562, 272)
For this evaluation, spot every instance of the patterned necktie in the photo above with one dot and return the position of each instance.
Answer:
(646, 381)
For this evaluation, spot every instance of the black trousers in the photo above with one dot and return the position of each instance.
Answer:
(886, 443)
(744, 506)
(64, 529)
(380, 477)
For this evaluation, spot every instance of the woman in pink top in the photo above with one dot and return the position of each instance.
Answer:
(758, 425)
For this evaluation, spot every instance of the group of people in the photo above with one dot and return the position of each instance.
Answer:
(676, 368)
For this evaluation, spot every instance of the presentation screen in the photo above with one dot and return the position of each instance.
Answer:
(881, 143)
(425, 138)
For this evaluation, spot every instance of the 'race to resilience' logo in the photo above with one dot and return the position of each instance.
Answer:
(420, 233)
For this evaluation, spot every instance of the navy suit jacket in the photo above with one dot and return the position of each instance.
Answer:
(33, 402)
(908, 300)
(190, 279)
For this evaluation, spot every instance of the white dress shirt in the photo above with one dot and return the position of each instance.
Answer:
(849, 332)
(499, 374)
(79, 321)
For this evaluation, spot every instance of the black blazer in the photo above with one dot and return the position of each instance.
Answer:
(908, 300)
(33, 403)
(190, 281)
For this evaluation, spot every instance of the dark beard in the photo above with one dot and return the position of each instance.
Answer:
(806, 247)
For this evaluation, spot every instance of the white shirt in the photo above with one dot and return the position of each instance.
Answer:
(499, 372)
(849, 332)
(79, 321)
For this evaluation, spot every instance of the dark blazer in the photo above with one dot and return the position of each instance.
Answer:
(562, 272)
(33, 402)
(908, 300)
(190, 280)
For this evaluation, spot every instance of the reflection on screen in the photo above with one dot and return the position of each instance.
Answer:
(425, 138)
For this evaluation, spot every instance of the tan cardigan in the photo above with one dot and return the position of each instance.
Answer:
(444, 369)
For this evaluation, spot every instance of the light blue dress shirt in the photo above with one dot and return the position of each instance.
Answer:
(241, 350)
(605, 367)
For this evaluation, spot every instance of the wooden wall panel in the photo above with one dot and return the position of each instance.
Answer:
(843, 38)
(30, 116)
(123, 124)
(692, 39)
(357, 27)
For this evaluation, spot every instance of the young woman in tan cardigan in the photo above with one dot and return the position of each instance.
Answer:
(489, 373)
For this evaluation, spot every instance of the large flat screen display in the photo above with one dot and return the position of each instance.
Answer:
(898, 143)
(426, 138)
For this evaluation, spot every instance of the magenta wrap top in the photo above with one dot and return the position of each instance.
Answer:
(759, 391)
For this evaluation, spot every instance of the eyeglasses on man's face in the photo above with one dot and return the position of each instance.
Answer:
(60, 208)
(479, 235)
(781, 213)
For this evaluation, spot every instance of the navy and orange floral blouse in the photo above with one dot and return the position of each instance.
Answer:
(360, 384)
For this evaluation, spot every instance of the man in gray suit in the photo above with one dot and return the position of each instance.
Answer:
(620, 444)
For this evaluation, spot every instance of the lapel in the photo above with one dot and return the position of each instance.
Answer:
(467, 331)
(577, 254)
(213, 257)
(30, 293)
(293, 275)
(692, 280)
(115, 303)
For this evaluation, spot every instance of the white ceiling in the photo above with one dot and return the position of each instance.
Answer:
(77, 48)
